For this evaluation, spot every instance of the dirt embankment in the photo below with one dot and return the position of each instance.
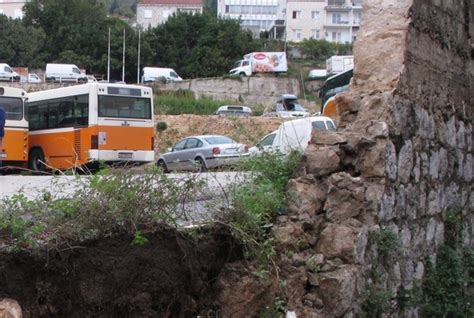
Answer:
(245, 130)
(171, 276)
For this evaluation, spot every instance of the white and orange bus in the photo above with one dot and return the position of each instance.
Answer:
(77, 125)
(15, 141)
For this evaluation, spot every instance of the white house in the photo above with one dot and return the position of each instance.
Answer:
(342, 20)
(305, 19)
(12, 8)
(151, 13)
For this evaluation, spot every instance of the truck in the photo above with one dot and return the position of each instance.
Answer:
(260, 62)
(339, 63)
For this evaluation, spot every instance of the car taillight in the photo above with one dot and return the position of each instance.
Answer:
(216, 150)
(94, 142)
(152, 143)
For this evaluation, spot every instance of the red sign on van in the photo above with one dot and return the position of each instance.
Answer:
(259, 56)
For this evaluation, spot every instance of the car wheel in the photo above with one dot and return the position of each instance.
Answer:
(201, 165)
(242, 74)
(162, 166)
(36, 160)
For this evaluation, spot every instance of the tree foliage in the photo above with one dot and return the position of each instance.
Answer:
(320, 50)
(77, 32)
(20, 45)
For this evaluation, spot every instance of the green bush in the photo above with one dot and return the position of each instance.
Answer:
(111, 201)
(161, 125)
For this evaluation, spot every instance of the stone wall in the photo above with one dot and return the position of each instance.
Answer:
(403, 159)
(255, 90)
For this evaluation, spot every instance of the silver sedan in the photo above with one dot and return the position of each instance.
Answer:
(199, 153)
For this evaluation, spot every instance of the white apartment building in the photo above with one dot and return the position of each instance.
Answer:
(255, 15)
(305, 19)
(12, 8)
(342, 20)
(151, 13)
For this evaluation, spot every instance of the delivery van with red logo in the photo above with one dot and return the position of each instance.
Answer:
(260, 62)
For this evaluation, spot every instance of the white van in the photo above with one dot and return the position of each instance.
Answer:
(8, 74)
(156, 74)
(292, 135)
(64, 73)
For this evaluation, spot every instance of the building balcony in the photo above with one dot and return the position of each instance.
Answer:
(340, 24)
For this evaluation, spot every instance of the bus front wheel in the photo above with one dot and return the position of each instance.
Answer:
(36, 160)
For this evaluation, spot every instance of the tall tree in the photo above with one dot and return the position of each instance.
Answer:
(20, 45)
(199, 45)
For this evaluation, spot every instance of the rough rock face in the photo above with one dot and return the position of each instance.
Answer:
(402, 158)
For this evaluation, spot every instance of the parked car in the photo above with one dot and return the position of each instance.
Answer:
(202, 153)
(234, 110)
(91, 79)
(287, 106)
(292, 135)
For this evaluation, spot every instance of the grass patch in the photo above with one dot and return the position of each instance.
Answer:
(184, 102)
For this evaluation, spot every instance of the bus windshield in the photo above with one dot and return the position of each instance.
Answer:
(13, 107)
(335, 84)
(124, 107)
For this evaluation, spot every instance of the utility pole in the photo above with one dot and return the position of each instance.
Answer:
(123, 58)
(138, 67)
(108, 60)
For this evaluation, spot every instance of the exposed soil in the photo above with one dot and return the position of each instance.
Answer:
(171, 276)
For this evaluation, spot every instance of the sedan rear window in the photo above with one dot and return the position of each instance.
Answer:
(218, 140)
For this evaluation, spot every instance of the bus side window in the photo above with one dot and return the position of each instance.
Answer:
(82, 110)
(38, 116)
(66, 113)
(53, 112)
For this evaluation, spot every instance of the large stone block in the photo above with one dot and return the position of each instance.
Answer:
(338, 241)
(345, 198)
(321, 161)
(339, 290)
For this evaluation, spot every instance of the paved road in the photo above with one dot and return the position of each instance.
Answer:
(32, 186)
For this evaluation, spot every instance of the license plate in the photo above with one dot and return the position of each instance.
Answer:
(231, 151)
(125, 155)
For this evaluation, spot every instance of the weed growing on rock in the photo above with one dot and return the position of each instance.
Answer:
(386, 241)
(446, 286)
(256, 203)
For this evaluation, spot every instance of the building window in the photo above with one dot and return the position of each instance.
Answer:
(315, 34)
(315, 15)
(297, 34)
(336, 18)
(148, 14)
(296, 14)
(336, 37)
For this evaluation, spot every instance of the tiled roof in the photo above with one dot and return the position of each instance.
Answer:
(152, 2)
